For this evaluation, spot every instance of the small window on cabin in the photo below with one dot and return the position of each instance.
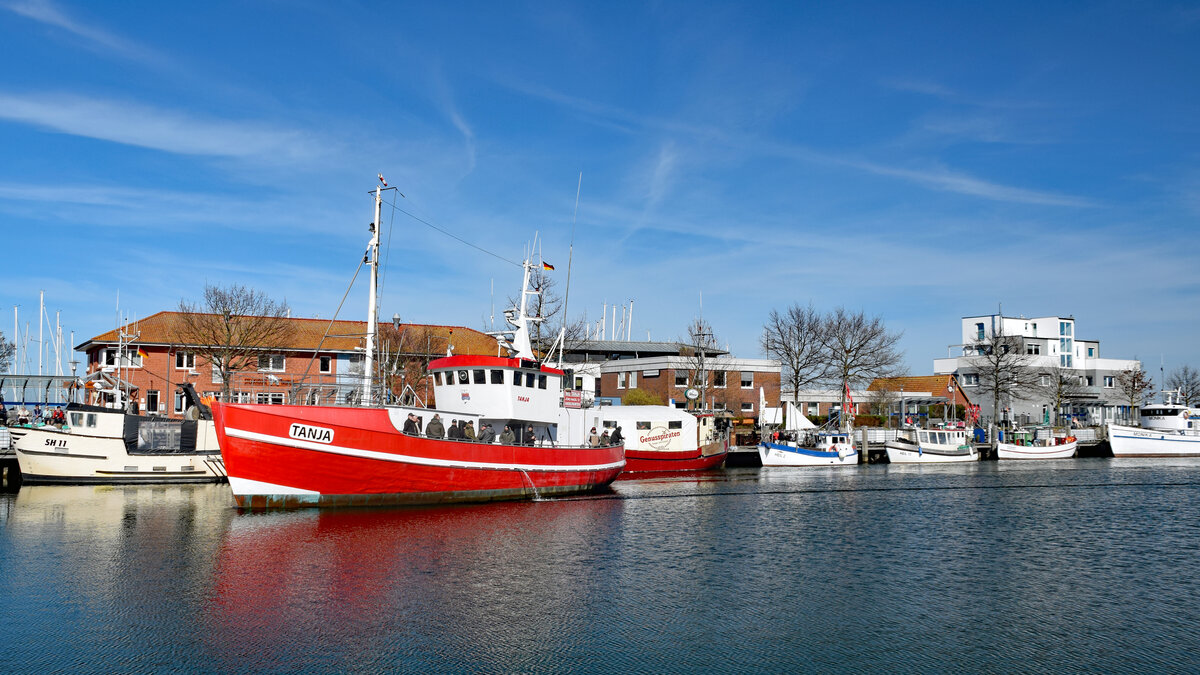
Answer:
(497, 377)
(675, 424)
(530, 380)
(464, 377)
(480, 377)
(642, 426)
(449, 377)
(91, 419)
(76, 419)
(541, 381)
(609, 424)
(516, 378)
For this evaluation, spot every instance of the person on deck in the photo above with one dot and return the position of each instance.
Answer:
(410, 425)
(529, 435)
(617, 438)
(593, 438)
(435, 428)
(507, 437)
(468, 431)
(486, 435)
(604, 438)
(454, 433)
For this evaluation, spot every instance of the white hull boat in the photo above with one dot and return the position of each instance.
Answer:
(921, 446)
(821, 450)
(1169, 429)
(1038, 450)
(102, 445)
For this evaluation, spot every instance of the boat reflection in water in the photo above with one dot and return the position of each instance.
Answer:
(484, 584)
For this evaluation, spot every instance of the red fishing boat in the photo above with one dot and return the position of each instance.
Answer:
(292, 456)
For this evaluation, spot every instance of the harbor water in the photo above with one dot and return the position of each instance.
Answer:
(1063, 566)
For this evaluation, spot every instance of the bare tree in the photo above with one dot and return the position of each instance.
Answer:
(1059, 386)
(794, 337)
(1005, 371)
(7, 351)
(858, 349)
(1186, 380)
(232, 328)
(697, 358)
(1136, 386)
(884, 396)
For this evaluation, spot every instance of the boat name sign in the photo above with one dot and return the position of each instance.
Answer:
(658, 438)
(309, 433)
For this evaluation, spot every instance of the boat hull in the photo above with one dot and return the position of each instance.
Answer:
(778, 454)
(297, 456)
(49, 455)
(1010, 451)
(706, 457)
(1140, 442)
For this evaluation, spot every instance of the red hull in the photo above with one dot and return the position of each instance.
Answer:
(691, 460)
(356, 456)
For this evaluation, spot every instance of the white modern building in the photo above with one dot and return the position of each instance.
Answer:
(1051, 343)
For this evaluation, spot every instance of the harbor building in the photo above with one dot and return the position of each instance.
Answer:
(318, 362)
(1050, 346)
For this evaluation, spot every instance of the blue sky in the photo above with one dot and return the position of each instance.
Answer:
(921, 162)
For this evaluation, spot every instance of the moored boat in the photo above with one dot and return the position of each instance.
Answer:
(1169, 429)
(926, 446)
(1040, 448)
(810, 449)
(105, 445)
(292, 456)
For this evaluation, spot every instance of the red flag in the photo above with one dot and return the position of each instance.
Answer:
(849, 398)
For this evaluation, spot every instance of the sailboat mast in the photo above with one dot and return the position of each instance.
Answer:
(372, 309)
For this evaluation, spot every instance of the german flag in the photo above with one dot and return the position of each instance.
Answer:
(547, 266)
(142, 353)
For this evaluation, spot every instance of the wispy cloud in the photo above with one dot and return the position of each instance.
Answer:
(47, 13)
(944, 180)
(158, 129)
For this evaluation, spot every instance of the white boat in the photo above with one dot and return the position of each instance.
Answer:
(105, 445)
(1169, 429)
(810, 449)
(1041, 448)
(926, 446)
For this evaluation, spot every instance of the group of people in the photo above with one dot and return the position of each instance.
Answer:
(22, 415)
(605, 439)
(464, 431)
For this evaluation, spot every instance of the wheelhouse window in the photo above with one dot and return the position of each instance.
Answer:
(464, 377)
(719, 379)
(270, 362)
(642, 426)
(480, 376)
(541, 381)
(497, 376)
(675, 424)
(530, 380)
(185, 360)
(747, 379)
(437, 378)
(325, 364)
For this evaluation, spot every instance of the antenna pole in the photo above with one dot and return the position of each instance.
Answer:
(570, 257)
(372, 309)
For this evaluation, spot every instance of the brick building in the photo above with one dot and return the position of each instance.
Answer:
(312, 366)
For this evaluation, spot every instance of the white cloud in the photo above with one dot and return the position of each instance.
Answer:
(158, 129)
(46, 12)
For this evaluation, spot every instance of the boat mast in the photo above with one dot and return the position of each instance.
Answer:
(372, 310)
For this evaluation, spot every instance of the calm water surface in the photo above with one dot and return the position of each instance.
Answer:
(1066, 566)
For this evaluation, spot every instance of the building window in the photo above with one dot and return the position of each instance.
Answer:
(1091, 381)
(681, 378)
(969, 380)
(1064, 360)
(1064, 328)
(978, 331)
(1044, 380)
(1033, 348)
(747, 379)
(1091, 352)
(179, 401)
(185, 361)
(718, 405)
(269, 398)
(326, 364)
(719, 379)
(633, 379)
(271, 362)
(1109, 381)
(152, 401)
(216, 372)
(747, 406)
(1035, 330)
(620, 380)
(812, 409)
